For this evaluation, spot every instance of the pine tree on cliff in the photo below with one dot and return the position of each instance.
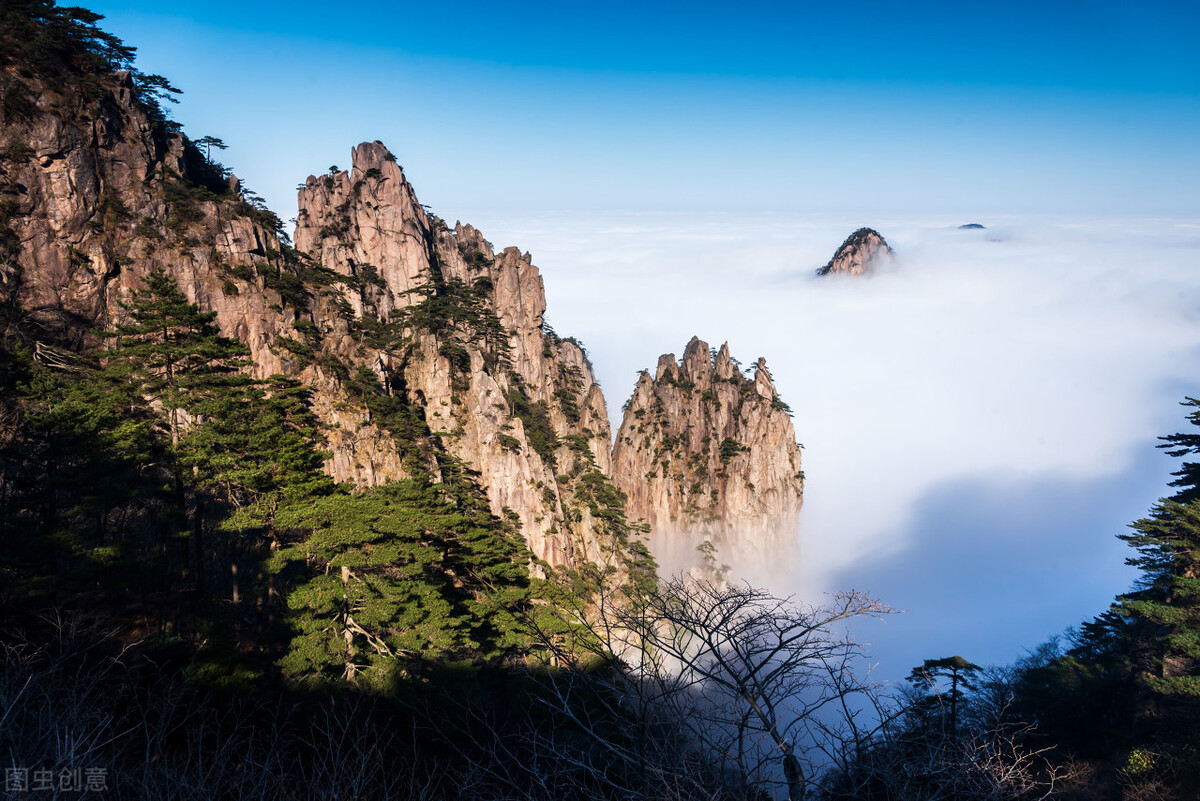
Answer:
(172, 354)
(392, 575)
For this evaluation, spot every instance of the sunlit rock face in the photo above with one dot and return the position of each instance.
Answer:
(97, 195)
(516, 403)
(863, 251)
(706, 454)
(379, 296)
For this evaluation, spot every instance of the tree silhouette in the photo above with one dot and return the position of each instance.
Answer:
(208, 143)
(929, 676)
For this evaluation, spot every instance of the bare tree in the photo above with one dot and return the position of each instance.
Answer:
(727, 677)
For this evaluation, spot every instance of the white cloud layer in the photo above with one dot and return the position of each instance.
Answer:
(979, 420)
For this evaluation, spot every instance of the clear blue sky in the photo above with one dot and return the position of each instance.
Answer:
(883, 106)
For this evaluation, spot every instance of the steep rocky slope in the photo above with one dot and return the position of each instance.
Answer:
(862, 251)
(705, 454)
(424, 348)
(464, 340)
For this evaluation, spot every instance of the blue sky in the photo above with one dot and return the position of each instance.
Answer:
(980, 107)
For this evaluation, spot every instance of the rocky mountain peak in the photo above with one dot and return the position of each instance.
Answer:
(357, 221)
(860, 253)
(424, 348)
(762, 381)
(667, 367)
(723, 368)
(706, 454)
(508, 397)
(697, 363)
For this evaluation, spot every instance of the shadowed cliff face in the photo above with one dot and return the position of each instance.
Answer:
(706, 454)
(423, 347)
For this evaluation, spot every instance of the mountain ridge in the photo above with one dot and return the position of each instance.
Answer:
(390, 317)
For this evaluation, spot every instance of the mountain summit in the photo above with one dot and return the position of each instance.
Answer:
(859, 254)
(707, 456)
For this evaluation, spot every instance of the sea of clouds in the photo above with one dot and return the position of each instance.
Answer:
(979, 419)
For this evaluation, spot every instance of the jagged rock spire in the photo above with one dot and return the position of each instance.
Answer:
(707, 454)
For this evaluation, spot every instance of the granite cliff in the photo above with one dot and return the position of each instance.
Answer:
(862, 251)
(705, 454)
(425, 349)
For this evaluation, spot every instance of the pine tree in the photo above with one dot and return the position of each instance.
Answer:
(1167, 596)
(172, 352)
(929, 678)
(393, 575)
(78, 483)
(173, 355)
(1165, 603)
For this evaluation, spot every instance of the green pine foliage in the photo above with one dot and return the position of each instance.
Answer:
(1127, 684)
(63, 46)
(394, 576)
(1164, 606)
(1184, 444)
(158, 462)
(1167, 599)
(172, 352)
(81, 499)
(255, 447)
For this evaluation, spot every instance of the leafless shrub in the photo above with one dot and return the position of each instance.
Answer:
(83, 700)
(706, 690)
(917, 758)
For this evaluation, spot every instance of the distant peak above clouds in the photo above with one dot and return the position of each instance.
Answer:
(858, 255)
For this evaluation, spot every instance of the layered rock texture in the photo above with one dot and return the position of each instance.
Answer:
(708, 457)
(425, 349)
(863, 251)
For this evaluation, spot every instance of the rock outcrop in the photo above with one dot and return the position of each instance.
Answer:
(516, 403)
(862, 251)
(424, 348)
(707, 455)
